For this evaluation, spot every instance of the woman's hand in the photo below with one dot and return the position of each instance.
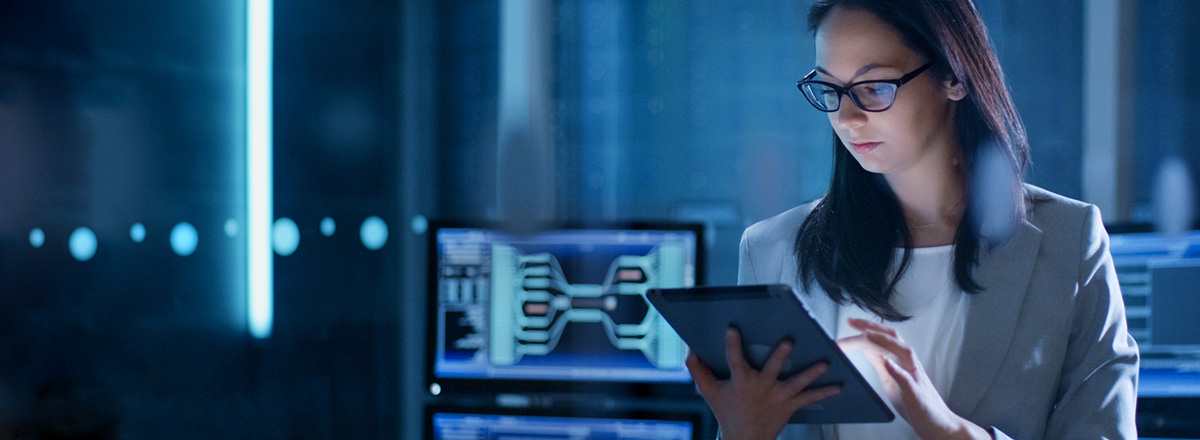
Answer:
(907, 385)
(754, 404)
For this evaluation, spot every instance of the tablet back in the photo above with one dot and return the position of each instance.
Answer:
(766, 315)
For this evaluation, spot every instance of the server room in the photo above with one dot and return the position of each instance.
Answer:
(446, 219)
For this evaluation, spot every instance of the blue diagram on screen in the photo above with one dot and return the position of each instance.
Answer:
(560, 305)
(483, 426)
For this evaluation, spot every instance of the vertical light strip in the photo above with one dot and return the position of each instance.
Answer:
(1107, 130)
(525, 124)
(259, 181)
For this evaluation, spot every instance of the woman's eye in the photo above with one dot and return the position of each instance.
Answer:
(877, 90)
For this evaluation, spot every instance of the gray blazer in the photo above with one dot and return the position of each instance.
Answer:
(1046, 352)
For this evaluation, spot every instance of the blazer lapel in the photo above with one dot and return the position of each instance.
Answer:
(992, 316)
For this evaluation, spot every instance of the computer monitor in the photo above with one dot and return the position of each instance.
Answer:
(557, 308)
(445, 423)
(1160, 281)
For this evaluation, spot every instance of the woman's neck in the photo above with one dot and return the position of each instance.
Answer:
(932, 202)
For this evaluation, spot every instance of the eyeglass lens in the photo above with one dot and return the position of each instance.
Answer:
(868, 96)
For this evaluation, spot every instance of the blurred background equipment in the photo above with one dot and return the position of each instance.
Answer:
(129, 226)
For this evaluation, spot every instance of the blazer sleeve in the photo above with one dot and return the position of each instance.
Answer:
(1097, 392)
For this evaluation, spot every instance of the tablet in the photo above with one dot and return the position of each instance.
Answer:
(766, 315)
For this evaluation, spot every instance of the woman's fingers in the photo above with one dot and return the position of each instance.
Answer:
(733, 353)
(893, 346)
(863, 342)
(880, 340)
(903, 377)
(798, 387)
(775, 363)
(701, 374)
(798, 384)
(862, 324)
(856, 342)
(813, 396)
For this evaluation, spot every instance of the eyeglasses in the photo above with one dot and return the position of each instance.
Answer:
(872, 96)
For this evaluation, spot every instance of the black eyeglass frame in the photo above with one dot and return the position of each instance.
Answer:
(845, 90)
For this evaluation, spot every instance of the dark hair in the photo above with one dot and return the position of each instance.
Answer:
(846, 244)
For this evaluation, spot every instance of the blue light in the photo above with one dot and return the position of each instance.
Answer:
(374, 233)
(259, 200)
(286, 236)
(37, 238)
(184, 239)
(137, 232)
(83, 244)
(328, 226)
(231, 228)
(419, 224)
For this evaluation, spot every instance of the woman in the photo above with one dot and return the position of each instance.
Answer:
(982, 307)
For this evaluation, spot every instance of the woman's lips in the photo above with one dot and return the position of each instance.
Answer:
(864, 147)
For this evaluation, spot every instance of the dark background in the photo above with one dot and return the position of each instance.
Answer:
(113, 113)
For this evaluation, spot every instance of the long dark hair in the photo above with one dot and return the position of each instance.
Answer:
(846, 244)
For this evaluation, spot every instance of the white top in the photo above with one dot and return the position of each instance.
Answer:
(938, 307)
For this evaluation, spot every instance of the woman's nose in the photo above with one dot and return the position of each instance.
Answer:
(849, 115)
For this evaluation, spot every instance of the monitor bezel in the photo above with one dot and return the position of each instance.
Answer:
(698, 417)
(489, 386)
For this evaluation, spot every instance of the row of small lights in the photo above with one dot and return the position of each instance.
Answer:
(285, 236)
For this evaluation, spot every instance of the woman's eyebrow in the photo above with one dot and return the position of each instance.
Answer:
(861, 71)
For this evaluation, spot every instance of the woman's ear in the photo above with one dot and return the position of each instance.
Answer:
(955, 89)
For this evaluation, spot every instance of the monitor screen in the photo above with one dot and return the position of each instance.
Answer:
(449, 424)
(1159, 276)
(533, 311)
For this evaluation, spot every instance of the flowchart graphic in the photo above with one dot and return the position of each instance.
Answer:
(532, 304)
(562, 305)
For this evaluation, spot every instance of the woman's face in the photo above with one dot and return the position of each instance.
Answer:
(917, 131)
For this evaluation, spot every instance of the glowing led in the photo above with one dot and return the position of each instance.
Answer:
(328, 226)
(286, 236)
(419, 224)
(184, 239)
(137, 232)
(82, 244)
(37, 238)
(374, 233)
(231, 228)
